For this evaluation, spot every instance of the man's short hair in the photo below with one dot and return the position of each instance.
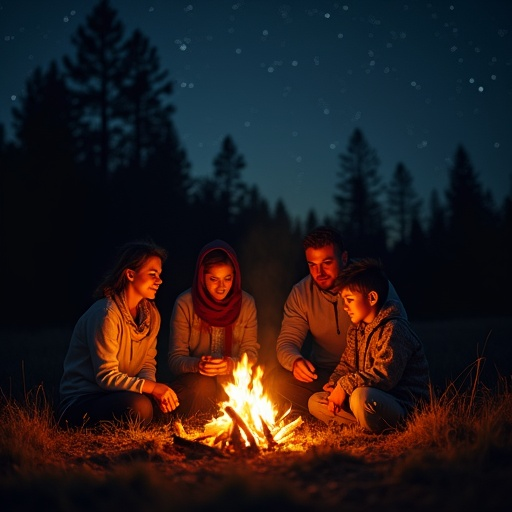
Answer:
(322, 236)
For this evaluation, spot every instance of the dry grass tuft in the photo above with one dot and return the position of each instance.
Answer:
(27, 432)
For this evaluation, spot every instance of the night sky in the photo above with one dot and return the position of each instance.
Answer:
(290, 81)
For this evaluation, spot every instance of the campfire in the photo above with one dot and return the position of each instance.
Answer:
(248, 420)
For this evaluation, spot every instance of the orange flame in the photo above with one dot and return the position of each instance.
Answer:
(248, 399)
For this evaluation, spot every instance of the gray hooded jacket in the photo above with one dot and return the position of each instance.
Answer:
(385, 354)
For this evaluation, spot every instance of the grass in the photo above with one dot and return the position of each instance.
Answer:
(455, 454)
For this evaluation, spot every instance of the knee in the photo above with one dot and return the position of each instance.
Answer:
(375, 410)
(141, 408)
(360, 397)
(363, 406)
(316, 403)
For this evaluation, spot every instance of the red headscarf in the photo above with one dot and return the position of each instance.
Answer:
(218, 314)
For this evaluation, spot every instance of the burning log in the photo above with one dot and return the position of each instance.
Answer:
(240, 423)
(231, 437)
(237, 420)
(268, 435)
(221, 439)
(196, 450)
(236, 442)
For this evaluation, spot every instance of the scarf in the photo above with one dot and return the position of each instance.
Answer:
(141, 328)
(218, 314)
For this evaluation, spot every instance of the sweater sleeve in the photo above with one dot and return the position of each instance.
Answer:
(108, 344)
(179, 355)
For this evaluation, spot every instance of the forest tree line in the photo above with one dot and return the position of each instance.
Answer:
(96, 161)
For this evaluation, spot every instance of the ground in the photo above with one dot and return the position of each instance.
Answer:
(323, 468)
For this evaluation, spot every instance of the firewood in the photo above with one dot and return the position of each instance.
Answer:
(197, 449)
(242, 425)
(287, 429)
(222, 438)
(178, 429)
(237, 441)
(268, 435)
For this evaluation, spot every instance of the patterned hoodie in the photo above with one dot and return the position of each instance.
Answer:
(385, 354)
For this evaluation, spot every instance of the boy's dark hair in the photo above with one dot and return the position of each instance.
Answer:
(322, 236)
(365, 275)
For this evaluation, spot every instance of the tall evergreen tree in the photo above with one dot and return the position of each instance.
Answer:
(221, 201)
(311, 221)
(437, 229)
(437, 270)
(153, 153)
(122, 96)
(415, 284)
(168, 174)
(47, 192)
(97, 76)
(359, 211)
(471, 230)
(403, 206)
(206, 213)
(466, 202)
(408, 264)
(504, 254)
(232, 191)
(143, 99)
(165, 181)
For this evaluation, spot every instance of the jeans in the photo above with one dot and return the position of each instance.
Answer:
(374, 410)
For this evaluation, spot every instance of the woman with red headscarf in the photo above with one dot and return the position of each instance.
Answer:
(213, 324)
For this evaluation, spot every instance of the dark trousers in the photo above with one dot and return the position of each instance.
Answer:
(93, 409)
(288, 392)
(198, 394)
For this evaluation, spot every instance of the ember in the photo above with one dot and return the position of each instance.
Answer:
(248, 420)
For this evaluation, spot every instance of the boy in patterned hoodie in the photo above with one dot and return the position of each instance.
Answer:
(383, 373)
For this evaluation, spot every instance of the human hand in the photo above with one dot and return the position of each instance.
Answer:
(304, 370)
(328, 387)
(166, 397)
(213, 366)
(336, 398)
